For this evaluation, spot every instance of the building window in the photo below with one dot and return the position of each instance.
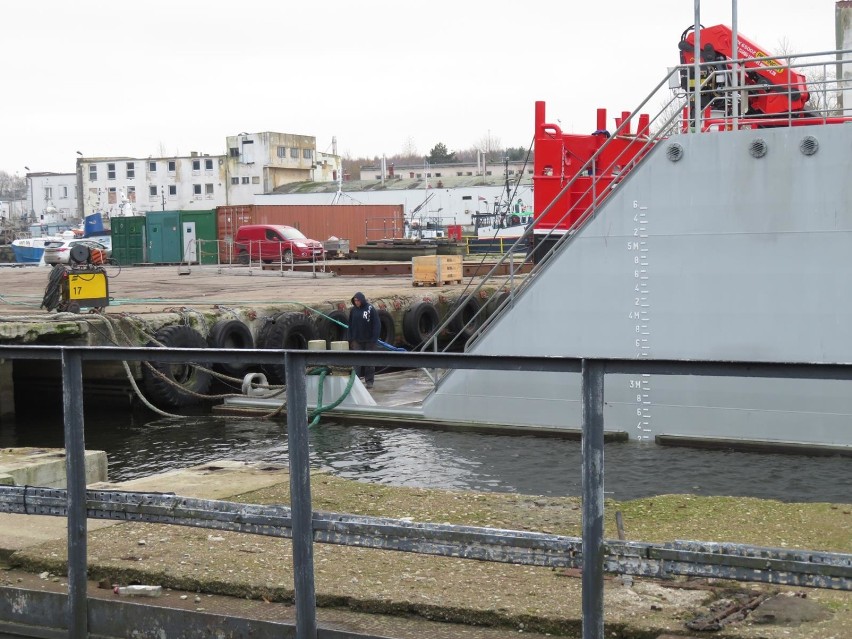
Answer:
(112, 195)
(208, 165)
(93, 172)
(235, 180)
(294, 153)
(172, 165)
(172, 190)
(131, 170)
(48, 193)
(255, 179)
(306, 153)
(245, 180)
(196, 165)
(111, 171)
(235, 152)
(208, 189)
(152, 167)
(282, 151)
(152, 191)
(63, 192)
(196, 189)
(131, 193)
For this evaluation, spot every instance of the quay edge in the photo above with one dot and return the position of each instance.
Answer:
(146, 299)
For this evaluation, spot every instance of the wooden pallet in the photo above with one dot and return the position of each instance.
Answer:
(441, 283)
(435, 270)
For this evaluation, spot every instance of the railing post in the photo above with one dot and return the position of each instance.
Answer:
(593, 498)
(75, 478)
(300, 496)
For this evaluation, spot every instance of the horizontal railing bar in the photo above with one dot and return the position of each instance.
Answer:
(556, 364)
(711, 559)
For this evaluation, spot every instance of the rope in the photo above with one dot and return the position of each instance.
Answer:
(138, 392)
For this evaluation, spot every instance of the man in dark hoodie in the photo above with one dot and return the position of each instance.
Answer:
(364, 325)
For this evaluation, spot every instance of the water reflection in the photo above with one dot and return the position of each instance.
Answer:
(437, 459)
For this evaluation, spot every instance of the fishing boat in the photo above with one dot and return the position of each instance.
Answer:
(30, 250)
(718, 229)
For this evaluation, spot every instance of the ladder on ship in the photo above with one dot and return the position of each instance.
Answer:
(470, 320)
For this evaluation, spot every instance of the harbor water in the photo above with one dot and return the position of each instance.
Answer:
(136, 446)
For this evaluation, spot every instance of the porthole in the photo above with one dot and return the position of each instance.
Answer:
(809, 145)
(674, 152)
(758, 148)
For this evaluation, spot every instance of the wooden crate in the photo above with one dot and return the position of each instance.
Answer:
(435, 270)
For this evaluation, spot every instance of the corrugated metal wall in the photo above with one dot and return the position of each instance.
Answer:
(354, 222)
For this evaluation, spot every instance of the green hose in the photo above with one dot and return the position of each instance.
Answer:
(323, 372)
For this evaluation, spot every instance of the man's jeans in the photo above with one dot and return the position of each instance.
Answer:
(367, 372)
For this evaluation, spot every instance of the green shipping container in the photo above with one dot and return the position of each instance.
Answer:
(199, 238)
(128, 240)
(163, 237)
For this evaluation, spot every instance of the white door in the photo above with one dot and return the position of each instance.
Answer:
(190, 250)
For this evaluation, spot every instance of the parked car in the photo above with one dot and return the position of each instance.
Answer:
(59, 252)
(273, 243)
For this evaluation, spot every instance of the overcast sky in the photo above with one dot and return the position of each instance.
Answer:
(112, 78)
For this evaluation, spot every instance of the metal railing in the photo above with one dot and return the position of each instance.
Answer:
(591, 552)
(671, 119)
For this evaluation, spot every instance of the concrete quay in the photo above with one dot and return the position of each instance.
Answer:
(393, 594)
(147, 298)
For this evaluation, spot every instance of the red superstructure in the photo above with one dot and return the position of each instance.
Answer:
(771, 87)
(589, 164)
(563, 157)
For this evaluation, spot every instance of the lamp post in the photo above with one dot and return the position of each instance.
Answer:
(163, 196)
(32, 197)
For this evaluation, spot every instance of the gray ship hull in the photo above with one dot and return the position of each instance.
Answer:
(719, 255)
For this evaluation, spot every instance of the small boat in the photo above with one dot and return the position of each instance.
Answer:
(30, 250)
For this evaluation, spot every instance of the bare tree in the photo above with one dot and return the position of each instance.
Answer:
(491, 146)
(12, 187)
(409, 148)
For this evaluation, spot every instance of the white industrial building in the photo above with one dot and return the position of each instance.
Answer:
(51, 198)
(255, 163)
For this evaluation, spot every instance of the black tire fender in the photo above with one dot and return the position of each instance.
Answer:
(419, 322)
(387, 332)
(181, 377)
(470, 318)
(330, 330)
(289, 330)
(230, 334)
(496, 300)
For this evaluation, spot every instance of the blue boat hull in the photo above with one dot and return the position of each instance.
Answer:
(28, 254)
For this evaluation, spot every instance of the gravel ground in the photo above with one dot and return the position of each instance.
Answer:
(487, 594)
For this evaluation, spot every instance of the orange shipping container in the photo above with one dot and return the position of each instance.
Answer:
(358, 223)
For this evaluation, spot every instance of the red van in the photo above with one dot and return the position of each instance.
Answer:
(273, 243)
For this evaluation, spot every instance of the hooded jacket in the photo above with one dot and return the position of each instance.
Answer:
(364, 322)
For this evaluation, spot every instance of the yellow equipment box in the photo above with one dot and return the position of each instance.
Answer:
(86, 288)
(434, 270)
